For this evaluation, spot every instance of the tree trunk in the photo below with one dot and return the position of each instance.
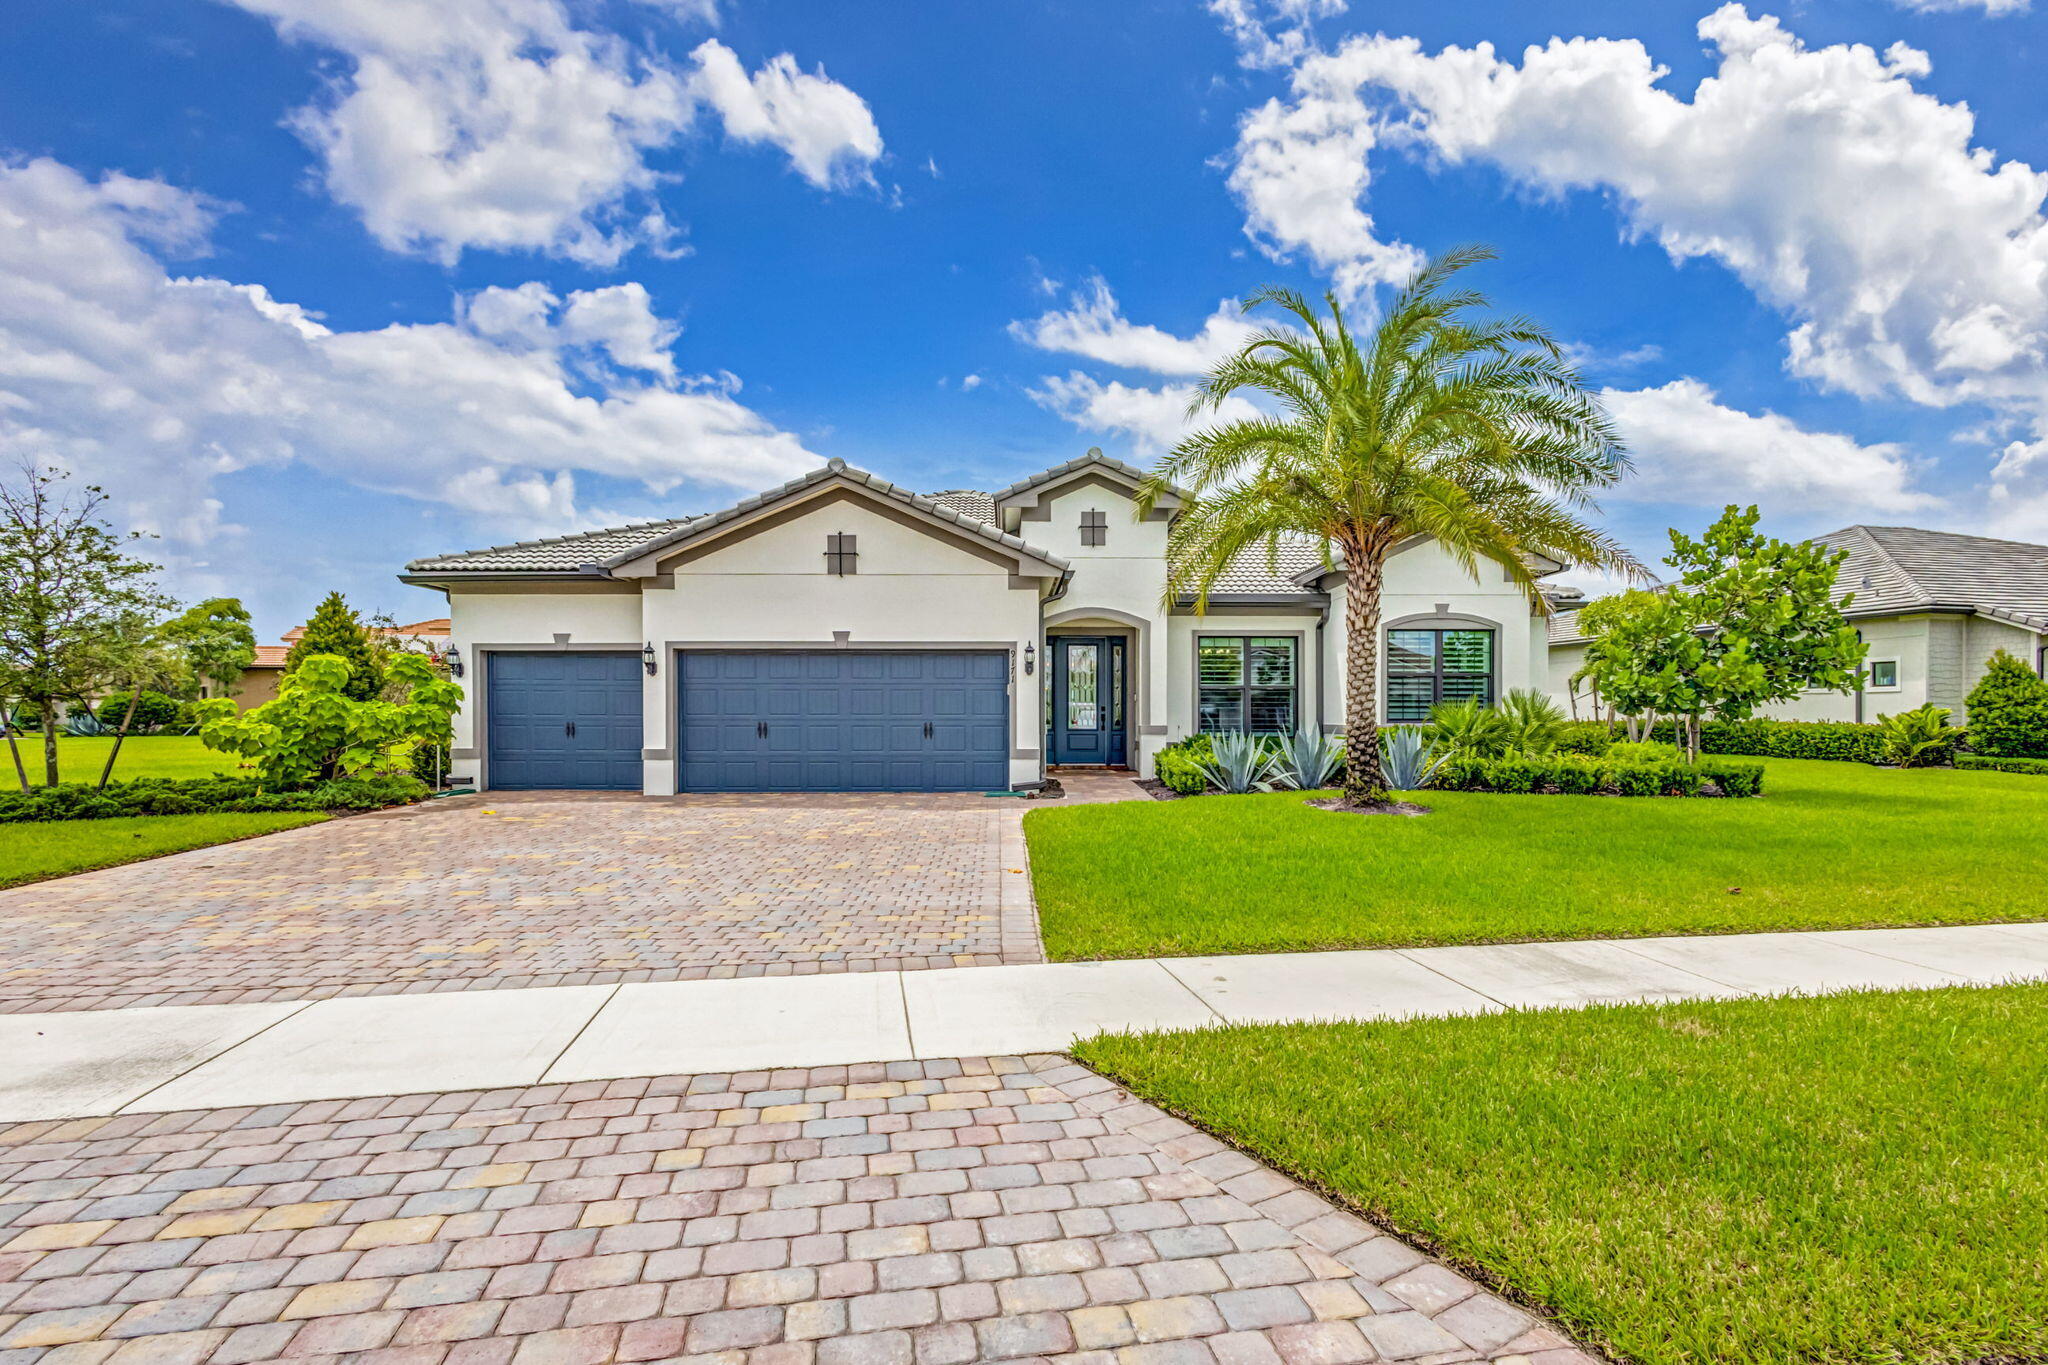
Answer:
(1365, 783)
(127, 719)
(13, 743)
(49, 707)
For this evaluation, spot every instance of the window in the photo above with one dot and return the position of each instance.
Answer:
(1084, 675)
(1246, 683)
(1425, 667)
(1095, 528)
(839, 553)
(1884, 673)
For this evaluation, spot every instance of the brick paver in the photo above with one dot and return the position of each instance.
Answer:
(913, 1213)
(536, 890)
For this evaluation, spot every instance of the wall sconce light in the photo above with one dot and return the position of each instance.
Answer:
(454, 657)
(647, 658)
(1030, 655)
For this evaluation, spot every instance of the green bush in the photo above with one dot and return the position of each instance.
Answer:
(1568, 774)
(1920, 738)
(1734, 779)
(1179, 764)
(2008, 710)
(1637, 752)
(154, 712)
(194, 796)
(1584, 737)
(2034, 767)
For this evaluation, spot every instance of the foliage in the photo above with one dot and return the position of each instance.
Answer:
(316, 730)
(1406, 758)
(1840, 740)
(2033, 767)
(1919, 738)
(194, 796)
(153, 711)
(1306, 760)
(215, 639)
(1585, 737)
(335, 629)
(1847, 1180)
(1465, 729)
(83, 724)
(2008, 710)
(1179, 765)
(1531, 722)
(70, 597)
(1567, 774)
(1473, 431)
(37, 852)
(1642, 751)
(1239, 763)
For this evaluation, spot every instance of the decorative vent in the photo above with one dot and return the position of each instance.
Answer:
(1095, 528)
(839, 553)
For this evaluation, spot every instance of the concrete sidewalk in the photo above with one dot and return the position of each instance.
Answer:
(145, 1060)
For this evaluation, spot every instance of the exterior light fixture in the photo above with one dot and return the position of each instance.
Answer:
(454, 657)
(647, 657)
(1030, 655)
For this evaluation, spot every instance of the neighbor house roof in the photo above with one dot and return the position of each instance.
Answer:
(270, 656)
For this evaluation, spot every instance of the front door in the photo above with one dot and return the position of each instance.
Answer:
(1087, 700)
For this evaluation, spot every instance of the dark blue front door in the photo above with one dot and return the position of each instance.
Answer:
(844, 720)
(563, 720)
(1087, 699)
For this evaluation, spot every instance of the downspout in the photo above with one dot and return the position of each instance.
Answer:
(1322, 709)
(1044, 726)
(1859, 684)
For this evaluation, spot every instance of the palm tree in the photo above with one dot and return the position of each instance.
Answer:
(1472, 430)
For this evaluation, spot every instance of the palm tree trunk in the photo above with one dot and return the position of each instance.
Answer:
(1364, 781)
(127, 719)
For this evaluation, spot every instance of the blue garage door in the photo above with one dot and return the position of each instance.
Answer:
(563, 720)
(845, 721)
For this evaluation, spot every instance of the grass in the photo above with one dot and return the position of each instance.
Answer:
(79, 758)
(1830, 845)
(35, 852)
(1855, 1178)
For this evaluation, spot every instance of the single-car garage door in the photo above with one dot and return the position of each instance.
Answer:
(563, 720)
(845, 720)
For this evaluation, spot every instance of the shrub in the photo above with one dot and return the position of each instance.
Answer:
(1240, 763)
(1637, 752)
(2008, 710)
(2034, 767)
(1919, 738)
(1405, 760)
(1307, 760)
(153, 712)
(314, 730)
(1465, 729)
(194, 796)
(1734, 779)
(1584, 737)
(1531, 723)
(1568, 774)
(1179, 765)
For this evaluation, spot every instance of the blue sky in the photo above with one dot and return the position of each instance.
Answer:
(314, 287)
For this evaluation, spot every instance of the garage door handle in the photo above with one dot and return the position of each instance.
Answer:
(760, 729)
(570, 729)
(927, 729)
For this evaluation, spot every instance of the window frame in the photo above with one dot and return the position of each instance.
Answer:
(1244, 688)
(1094, 527)
(1871, 684)
(1436, 674)
(842, 554)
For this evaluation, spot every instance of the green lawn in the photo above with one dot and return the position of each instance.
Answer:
(80, 759)
(1858, 1178)
(1830, 845)
(33, 852)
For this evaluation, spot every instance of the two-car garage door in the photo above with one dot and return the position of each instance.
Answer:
(756, 721)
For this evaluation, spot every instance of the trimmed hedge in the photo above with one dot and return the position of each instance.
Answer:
(2033, 767)
(1568, 774)
(1837, 740)
(196, 796)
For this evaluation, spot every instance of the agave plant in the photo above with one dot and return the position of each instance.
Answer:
(1464, 729)
(1239, 764)
(1407, 759)
(1306, 760)
(1531, 723)
(1919, 738)
(82, 723)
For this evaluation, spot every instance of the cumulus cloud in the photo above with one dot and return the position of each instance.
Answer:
(1271, 33)
(1093, 326)
(1154, 419)
(1690, 447)
(162, 384)
(499, 124)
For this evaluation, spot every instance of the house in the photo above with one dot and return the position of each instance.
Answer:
(258, 683)
(840, 633)
(1932, 606)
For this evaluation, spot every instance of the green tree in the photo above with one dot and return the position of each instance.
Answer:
(2008, 710)
(69, 594)
(316, 730)
(336, 629)
(216, 641)
(1474, 431)
(1645, 656)
(135, 655)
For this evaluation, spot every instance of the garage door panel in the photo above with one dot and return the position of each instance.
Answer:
(852, 721)
(533, 702)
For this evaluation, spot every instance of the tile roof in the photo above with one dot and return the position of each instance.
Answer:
(1901, 568)
(557, 553)
(1093, 457)
(270, 656)
(1254, 571)
(968, 502)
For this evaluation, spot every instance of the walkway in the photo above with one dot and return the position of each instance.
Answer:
(209, 1056)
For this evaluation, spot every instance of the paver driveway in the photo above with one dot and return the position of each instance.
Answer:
(539, 890)
(933, 1213)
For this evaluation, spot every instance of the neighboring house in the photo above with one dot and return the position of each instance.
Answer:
(1932, 606)
(258, 683)
(843, 634)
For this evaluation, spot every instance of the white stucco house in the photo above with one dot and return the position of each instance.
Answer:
(1932, 606)
(843, 634)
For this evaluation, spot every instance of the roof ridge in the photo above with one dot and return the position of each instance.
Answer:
(558, 540)
(1878, 548)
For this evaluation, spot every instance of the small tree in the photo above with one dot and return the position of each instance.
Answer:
(315, 730)
(216, 641)
(135, 655)
(1645, 657)
(2008, 710)
(335, 629)
(68, 589)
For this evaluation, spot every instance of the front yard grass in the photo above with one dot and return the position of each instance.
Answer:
(37, 851)
(1828, 846)
(80, 758)
(1857, 1178)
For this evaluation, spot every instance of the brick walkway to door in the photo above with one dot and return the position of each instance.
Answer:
(545, 889)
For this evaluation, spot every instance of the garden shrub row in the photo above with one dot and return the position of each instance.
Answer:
(1838, 740)
(205, 795)
(2036, 767)
(1571, 774)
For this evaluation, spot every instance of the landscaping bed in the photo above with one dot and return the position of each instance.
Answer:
(38, 851)
(170, 796)
(1858, 1178)
(1829, 846)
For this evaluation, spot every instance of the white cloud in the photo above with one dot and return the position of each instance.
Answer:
(498, 124)
(1990, 7)
(969, 383)
(1271, 33)
(1154, 419)
(160, 385)
(825, 128)
(1092, 326)
(1689, 447)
